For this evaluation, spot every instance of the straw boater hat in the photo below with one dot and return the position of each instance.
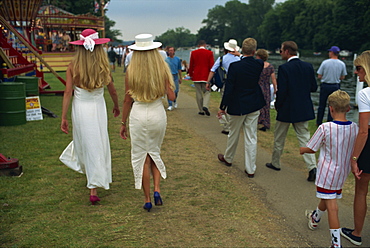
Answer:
(144, 42)
(89, 38)
(232, 45)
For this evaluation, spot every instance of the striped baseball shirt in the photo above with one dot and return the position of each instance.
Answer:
(335, 141)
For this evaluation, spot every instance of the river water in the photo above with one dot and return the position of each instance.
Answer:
(348, 84)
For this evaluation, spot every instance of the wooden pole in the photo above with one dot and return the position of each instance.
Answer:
(102, 14)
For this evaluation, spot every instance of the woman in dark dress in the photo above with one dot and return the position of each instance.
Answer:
(267, 73)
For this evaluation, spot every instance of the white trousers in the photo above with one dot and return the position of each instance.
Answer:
(224, 120)
(249, 124)
(303, 136)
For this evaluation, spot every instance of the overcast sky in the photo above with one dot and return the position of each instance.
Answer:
(134, 17)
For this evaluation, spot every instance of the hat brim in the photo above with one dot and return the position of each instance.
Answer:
(97, 41)
(227, 47)
(151, 47)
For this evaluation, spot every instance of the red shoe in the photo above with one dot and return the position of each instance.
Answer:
(94, 199)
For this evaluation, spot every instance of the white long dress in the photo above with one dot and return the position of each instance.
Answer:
(148, 123)
(89, 152)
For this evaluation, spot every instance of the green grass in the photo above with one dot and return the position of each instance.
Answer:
(204, 203)
(53, 81)
(48, 205)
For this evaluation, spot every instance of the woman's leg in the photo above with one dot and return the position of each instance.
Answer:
(359, 204)
(93, 192)
(146, 178)
(156, 176)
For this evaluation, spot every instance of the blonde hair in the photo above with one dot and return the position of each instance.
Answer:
(249, 45)
(91, 69)
(263, 54)
(339, 100)
(147, 76)
(364, 61)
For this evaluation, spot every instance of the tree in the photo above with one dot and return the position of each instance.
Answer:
(255, 16)
(270, 31)
(178, 37)
(111, 33)
(349, 23)
(235, 20)
(84, 7)
(318, 24)
(215, 25)
(75, 7)
(365, 36)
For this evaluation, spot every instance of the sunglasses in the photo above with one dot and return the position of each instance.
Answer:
(358, 68)
(281, 51)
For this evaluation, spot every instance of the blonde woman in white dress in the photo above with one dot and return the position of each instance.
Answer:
(89, 152)
(148, 79)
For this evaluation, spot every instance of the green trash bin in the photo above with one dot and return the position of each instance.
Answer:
(12, 104)
(32, 84)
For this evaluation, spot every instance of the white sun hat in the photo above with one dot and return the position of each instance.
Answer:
(144, 42)
(232, 45)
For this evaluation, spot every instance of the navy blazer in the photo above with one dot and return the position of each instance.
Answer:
(242, 94)
(296, 80)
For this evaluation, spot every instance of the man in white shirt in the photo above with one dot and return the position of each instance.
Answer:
(230, 48)
(330, 72)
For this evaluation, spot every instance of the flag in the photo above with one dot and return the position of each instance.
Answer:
(106, 5)
(96, 5)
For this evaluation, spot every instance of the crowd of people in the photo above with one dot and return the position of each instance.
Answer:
(57, 41)
(152, 74)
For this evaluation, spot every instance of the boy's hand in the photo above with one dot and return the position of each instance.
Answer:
(303, 150)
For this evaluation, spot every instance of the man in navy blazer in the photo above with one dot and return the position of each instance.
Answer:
(242, 100)
(296, 81)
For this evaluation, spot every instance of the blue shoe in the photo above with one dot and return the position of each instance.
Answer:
(148, 206)
(347, 233)
(157, 199)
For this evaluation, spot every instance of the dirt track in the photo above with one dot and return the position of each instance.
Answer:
(287, 191)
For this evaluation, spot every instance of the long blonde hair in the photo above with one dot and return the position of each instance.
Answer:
(147, 76)
(364, 61)
(91, 69)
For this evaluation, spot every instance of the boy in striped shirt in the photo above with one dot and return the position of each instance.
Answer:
(335, 140)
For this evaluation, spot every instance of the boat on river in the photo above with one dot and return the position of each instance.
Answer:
(345, 53)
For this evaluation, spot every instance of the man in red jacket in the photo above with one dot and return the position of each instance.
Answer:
(201, 62)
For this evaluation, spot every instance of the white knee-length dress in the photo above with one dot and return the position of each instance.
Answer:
(148, 123)
(89, 152)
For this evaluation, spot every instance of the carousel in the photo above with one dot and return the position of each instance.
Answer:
(27, 30)
(55, 27)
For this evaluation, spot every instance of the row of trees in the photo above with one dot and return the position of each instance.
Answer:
(318, 24)
(178, 37)
(313, 24)
(87, 6)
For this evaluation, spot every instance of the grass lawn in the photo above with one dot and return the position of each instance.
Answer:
(48, 206)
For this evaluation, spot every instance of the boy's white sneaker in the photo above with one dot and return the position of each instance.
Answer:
(312, 223)
(170, 108)
(175, 104)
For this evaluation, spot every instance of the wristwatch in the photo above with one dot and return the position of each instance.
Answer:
(354, 158)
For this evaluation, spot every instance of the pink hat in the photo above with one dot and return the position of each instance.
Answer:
(89, 38)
